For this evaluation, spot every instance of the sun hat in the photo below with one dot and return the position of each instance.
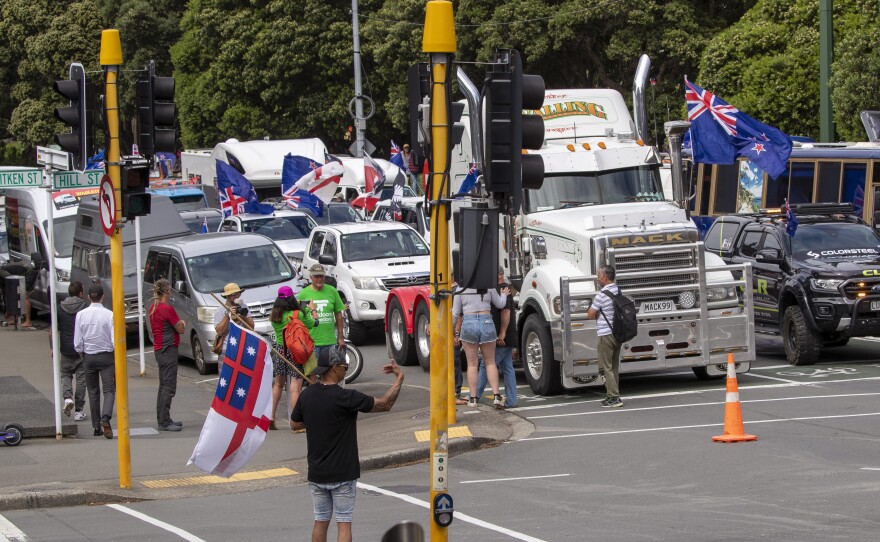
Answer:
(285, 291)
(231, 289)
(328, 358)
(317, 269)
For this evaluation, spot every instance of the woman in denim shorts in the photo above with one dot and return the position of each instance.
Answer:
(475, 332)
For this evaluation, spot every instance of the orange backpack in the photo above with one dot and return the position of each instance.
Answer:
(298, 340)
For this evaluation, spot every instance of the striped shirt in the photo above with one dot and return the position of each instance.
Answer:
(604, 305)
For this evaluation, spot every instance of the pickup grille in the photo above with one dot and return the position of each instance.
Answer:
(390, 283)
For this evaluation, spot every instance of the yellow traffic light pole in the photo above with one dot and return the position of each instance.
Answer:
(111, 59)
(438, 40)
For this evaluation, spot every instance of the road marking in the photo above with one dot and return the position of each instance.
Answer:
(773, 378)
(458, 515)
(207, 380)
(663, 407)
(510, 479)
(651, 429)
(870, 468)
(205, 480)
(871, 339)
(457, 431)
(769, 367)
(708, 390)
(9, 532)
(158, 523)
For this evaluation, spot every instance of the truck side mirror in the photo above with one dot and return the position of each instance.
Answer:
(769, 255)
(180, 286)
(327, 259)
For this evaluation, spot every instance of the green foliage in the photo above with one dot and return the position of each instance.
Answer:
(855, 73)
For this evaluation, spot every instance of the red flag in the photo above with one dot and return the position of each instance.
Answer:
(425, 172)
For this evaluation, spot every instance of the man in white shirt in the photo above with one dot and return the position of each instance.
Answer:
(93, 337)
(602, 310)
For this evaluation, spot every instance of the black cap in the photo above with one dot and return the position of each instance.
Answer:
(328, 358)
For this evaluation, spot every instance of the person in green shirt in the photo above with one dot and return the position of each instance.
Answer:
(283, 374)
(329, 331)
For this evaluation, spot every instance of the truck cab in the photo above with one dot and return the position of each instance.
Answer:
(816, 284)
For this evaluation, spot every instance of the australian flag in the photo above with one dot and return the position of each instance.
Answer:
(397, 157)
(239, 416)
(721, 133)
(295, 167)
(237, 194)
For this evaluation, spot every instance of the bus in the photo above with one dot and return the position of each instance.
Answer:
(815, 173)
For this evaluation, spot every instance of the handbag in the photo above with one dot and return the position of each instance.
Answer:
(217, 347)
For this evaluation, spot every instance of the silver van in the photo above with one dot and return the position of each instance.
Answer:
(201, 265)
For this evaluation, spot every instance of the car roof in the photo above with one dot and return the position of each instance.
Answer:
(244, 217)
(358, 227)
(209, 243)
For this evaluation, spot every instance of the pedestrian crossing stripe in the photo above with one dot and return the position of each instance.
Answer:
(458, 431)
(205, 480)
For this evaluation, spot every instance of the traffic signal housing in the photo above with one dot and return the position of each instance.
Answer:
(74, 115)
(136, 201)
(507, 91)
(157, 113)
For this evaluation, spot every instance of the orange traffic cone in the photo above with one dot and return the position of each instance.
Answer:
(733, 418)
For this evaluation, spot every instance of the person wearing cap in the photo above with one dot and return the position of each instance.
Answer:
(283, 374)
(329, 414)
(329, 331)
(233, 305)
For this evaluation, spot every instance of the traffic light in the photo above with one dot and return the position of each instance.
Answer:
(507, 131)
(136, 201)
(157, 113)
(418, 86)
(456, 126)
(74, 115)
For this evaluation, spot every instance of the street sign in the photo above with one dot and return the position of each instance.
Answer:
(24, 177)
(369, 148)
(443, 509)
(56, 159)
(439, 470)
(107, 205)
(66, 180)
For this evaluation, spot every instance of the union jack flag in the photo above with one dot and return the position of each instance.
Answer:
(239, 416)
(701, 101)
(231, 203)
(397, 157)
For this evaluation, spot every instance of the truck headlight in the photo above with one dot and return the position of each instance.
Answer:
(366, 283)
(578, 306)
(205, 315)
(826, 285)
(539, 247)
(721, 294)
(62, 275)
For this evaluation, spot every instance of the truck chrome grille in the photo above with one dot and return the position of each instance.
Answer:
(390, 283)
(259, 311)
(667, 258)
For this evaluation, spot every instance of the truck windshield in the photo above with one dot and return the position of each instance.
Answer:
(248, 267)
(189, 202)
(280, 228)
(63, 235)
(840, 241)
(376, 245)
(617, 186)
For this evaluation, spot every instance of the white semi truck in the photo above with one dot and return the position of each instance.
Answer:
(601, 202)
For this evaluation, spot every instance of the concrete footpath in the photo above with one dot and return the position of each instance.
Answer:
(83, 469)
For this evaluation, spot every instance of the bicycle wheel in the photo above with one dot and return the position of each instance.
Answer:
(355, 361)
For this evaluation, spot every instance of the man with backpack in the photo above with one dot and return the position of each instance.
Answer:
(605, 307)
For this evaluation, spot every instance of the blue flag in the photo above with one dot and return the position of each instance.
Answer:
(469, 181)
(205, 225)
(721, 133)
(397, 157)
(237, 194)
(791, 226)
(294, 168)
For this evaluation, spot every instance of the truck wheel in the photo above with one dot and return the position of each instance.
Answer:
(422, 333)
(403, 348)
(536, 352)
(802, 344)
(703, 374)
(199, 356)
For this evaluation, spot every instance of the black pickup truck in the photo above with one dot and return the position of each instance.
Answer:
(816, 288)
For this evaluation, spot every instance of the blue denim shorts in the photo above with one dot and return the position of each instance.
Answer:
(478, 329)
(336, 498)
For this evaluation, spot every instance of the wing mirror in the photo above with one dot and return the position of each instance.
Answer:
(769, 255)
(327, 259)
(180, 286)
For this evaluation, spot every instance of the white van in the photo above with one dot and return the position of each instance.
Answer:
(27, 221)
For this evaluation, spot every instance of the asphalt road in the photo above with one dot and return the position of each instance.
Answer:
(648, 471)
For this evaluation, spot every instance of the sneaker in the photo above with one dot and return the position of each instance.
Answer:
(170, 427)
(80, 416)
(178, 424)
(498, 402)
(612, 402)
(472, 402)
(68, 407)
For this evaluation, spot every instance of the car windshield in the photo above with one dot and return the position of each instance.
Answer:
(622, 185)
(196, 224)
(840, 241)
(63, 235)
(374, 245)
(189, 202)
(248, 267)
(280, 228)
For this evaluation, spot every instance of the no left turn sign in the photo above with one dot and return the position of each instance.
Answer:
(107, 205)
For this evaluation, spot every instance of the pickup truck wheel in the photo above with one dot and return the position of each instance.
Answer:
(802, 344)
(199, 357)
(536, 352)
(403, 348)
(422, 333)
(357, 331)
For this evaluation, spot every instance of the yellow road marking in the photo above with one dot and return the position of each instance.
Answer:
(204, 480)
(454, 432)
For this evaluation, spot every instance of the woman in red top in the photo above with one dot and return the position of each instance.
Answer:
(167, 328)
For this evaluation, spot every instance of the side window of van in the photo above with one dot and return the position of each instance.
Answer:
(315, 247)
(176, 272)
(163, 263)
(330, 245)
(149, 267)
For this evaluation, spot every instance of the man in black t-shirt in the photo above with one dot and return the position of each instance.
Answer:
(329, 412)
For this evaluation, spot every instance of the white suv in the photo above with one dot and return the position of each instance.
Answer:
(366, 260)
